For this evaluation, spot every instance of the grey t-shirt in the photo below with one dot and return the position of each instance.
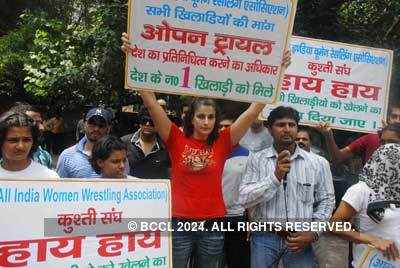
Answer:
(231, 179)
(255, 142)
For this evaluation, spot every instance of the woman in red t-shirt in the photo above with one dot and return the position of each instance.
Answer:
(198, 156)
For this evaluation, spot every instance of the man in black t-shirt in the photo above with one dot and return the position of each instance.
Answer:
(147, 156)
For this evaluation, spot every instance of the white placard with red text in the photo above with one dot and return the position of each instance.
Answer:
(230, 49)
(83, 223)
(342, 84)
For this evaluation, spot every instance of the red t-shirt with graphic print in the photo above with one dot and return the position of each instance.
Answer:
(197, 174)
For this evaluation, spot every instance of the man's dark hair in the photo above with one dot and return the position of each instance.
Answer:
(103, 148)
(143, 112)
(392, 106)
(186, 103)
(23, 107)
(395, 127)
(305, 129)
(227, 116)
(188, 128)
(11, 119)
(281, 112)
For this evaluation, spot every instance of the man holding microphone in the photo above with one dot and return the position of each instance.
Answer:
(284, 183)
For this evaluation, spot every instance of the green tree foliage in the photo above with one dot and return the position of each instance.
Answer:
(66, 62)
(13, 52)
(377, 24)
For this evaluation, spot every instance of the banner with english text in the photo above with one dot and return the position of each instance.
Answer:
(341, 84)
(229, 49)
(83, 223)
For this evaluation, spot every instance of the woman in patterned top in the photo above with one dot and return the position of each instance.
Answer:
(369, 202)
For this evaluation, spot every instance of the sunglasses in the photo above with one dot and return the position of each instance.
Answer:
(147, 120)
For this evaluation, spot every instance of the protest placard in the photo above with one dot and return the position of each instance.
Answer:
(344, 85)
(230, 49)
(372, 258)
(84, 223)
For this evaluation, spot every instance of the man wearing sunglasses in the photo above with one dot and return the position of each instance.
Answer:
(148, 159)
(74, 161)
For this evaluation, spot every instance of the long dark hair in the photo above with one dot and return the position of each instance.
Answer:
(11, 119)
(188, 127)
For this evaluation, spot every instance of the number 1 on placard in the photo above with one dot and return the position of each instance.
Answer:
(186, 71)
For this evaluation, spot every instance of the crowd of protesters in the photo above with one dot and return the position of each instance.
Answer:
(219, 174)
(227, 169)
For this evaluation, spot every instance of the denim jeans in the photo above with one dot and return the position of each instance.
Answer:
(268, 248)
(209, 248)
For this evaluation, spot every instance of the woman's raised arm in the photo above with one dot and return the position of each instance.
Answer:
(243, 123)
(157, 113)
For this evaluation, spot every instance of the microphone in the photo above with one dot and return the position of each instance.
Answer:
(284, 180)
